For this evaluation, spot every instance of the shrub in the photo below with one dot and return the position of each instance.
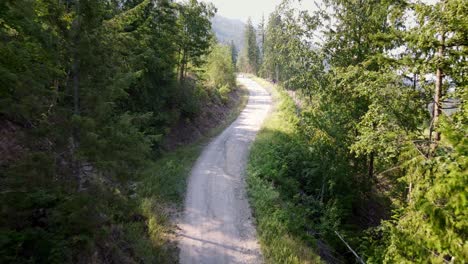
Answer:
(219, 67)
(224, 93)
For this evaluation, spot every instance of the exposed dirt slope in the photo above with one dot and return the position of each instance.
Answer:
(212, 114)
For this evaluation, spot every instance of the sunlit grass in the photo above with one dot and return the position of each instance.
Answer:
(272, 214)
(161, 193)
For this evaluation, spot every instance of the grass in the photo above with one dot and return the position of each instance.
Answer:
(161, 193)
(166, 178)
(276, 218)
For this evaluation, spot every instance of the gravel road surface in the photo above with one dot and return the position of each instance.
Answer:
(216, 226)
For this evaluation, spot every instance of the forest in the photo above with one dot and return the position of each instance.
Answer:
(89, 91)
(362, 160)
(368, 149)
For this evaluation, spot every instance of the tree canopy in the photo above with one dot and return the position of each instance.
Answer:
(367, 72)
(89, 90)
(249, 56)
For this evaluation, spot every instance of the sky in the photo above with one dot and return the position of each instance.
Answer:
(242, 9)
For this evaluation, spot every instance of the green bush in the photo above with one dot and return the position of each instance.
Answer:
(219, 68)
(276, 163)
(224, 93)
(85, 115)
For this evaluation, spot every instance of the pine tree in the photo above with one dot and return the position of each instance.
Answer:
(220, 69)
(249, 56)
(367, 104)
(234, 53)
(195, 22)
(261, 36)
(430, 226)
(90, 90)
(271, 44)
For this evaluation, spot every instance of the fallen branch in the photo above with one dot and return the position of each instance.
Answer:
(349, 247)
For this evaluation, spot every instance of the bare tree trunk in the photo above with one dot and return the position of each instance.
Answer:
(182, 67)
(371, 166)
(75, 71)
(410, 189)
(76, 85)
(180, 63)
(438, 92)
(277, 72)
(76, 111)
(370, 171)
(322, 191)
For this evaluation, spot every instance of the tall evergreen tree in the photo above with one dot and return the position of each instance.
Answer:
(234, 53)
(90, 88)
(365, 92)
(270, 62)
(429, 226)
(195, 22)
(249, 56)
(261, 37)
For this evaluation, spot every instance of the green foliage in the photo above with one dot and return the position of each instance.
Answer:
(224, 93)
(90, 89)
(366, 147)
(195, 34)
(279, 209)
(219, 68)
(220, 71)
(234, 53)
(432, 227)
(26, 70)
(249, 58)
(271, 51)
(165, 180)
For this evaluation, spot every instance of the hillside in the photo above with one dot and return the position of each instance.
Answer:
(228, 30)
(88, 109)
(132, 131)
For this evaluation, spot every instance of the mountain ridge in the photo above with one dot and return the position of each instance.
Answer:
(228, 29)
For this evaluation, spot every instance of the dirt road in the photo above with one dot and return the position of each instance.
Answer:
(217, 224)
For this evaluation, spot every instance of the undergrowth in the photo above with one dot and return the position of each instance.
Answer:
(279, 221)
(161, 191)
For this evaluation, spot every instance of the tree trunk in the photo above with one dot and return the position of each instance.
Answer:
(76, 84)
(179, 52)
(322, 191)
(182, 67)
(75, 71)
(438, 92)
(410, 189)
(370, 171)
(277, 73)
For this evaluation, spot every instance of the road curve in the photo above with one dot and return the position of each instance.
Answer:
(217, 224)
